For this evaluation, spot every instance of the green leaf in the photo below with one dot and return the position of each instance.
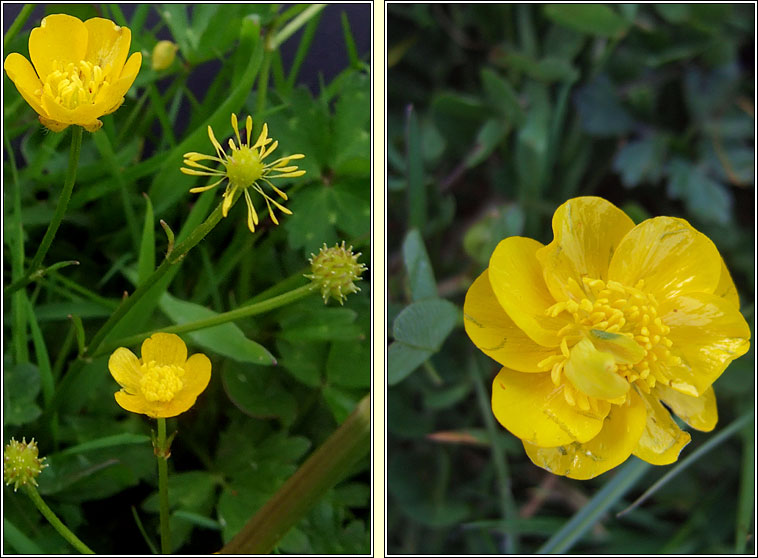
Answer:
(419, 331)
(324, 324)
(146, 260)
(21, 385)
(490, 135)
(593, 19)
(418, 267)
(641, 160)
(341, 402)
(116, 440)
(600, 109)
(707, 199)
(349, 364)
(414, 164)
(502, 97)
(226, 339)
(304, 361)
(257, 391)
(500, 222)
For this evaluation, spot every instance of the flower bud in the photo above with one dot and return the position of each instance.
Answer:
(334, 270)
(21, 464)
(164, 53)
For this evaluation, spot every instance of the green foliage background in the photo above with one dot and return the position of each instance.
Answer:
(497, 114)
(256, 422)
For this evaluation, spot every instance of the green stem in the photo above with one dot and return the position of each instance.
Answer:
(230, 316)
(162, 455)
(55, 522)
(296, 23)
(60, 209)
(508, 508)
(17, 24)
(322, 470)
(176, 256)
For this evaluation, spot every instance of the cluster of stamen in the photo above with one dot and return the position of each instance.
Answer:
(604, 311)
(75, 84)
(160, 382)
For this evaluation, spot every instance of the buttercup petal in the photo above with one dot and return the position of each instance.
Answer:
(61, 38)
(700, 413)
(120, 86)
(662, 440)
(517, 281)
(612, 446)
(707, 333)
(107, 45)
(726, 288)
(22, 74)
(53, 125)
(586, 232)
(535, 410)
(493, 331)
(134, 403)
(197, 374)
(669, 255)
(124, 366)
(164, 348)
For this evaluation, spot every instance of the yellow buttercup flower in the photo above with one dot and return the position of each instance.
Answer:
(244, 169)
(164, 382)
(599, 328)
(80, 71)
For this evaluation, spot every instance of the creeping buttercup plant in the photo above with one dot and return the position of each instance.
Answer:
(188, 384)
(570, 306)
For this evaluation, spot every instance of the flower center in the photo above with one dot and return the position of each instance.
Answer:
(615, 338)
(244, 167)
(75, 84)
(160, 382)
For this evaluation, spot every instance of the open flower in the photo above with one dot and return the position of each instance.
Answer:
(80, 70)
(244, 169)
(164, 382)
(599, 328)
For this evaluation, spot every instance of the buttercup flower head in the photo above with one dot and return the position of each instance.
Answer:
(80, 70)
(599, 328)
(244, 169)
(164, 382)
(334, 270)
(21, 463)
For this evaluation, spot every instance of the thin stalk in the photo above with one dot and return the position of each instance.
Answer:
(60, 208)
(231, 315)
(57, 524)
(173, 258)
(296, 23)
(17, 24)
(322, 470)
(162, 456)
(508, 508)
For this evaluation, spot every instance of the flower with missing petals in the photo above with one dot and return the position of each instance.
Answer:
(21, 463)
(78, 73)
(334, 270)
(597, 330)
(245, 170)
(164, 382)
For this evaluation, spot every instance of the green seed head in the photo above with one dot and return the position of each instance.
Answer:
(21, 464)
(334, 270)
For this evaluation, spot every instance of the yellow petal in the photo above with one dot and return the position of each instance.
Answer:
(623, 348)
(61, 38)
(83, 115)
(107, 45)
(611, 447)
(121, 85)
(517, 281)
(92, 126)
(699, 412)
(164, 349)
(707, 332)
(669, 255)
(493, 331)
(594, 372)
(726, 288)
(197, 373)
(53, 125)
(124, 366)
(22, 74)
(535, 410)
(134, 403)
(662, 440)
(586, 232)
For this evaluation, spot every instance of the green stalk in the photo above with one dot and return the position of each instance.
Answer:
(17, 24)
(230, 316)
(64, 531)
(172, 258)
(162, 456)
(60, 209)
(508, 508)
(296, 23)
(322, 470)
